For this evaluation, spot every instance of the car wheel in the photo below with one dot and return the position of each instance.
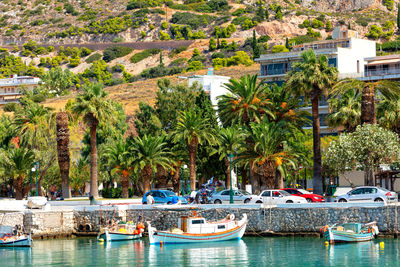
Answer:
(169, 202)
(259, 202)
(379, 200)
(217, 201)
(289, 201)
(144, 203)
(247, 200)
(342, 200)
(309, 200)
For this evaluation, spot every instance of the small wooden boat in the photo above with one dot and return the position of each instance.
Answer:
(197, 229)
(122, 232)
(350, 232)
(12, 238)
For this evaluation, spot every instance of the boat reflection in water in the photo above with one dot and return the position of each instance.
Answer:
(230, 252)
(368, 253)
(124, 253)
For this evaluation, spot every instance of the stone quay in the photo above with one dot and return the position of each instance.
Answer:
(263, 220)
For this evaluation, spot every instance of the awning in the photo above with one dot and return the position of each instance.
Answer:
(384, 62)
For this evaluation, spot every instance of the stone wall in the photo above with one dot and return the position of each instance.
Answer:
(12, 218)
(261, 220)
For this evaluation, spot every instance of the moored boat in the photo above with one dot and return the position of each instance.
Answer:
(122, 232)
(195, 228)
(10, 237)
(350, 232)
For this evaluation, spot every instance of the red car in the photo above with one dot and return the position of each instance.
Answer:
(303, 193)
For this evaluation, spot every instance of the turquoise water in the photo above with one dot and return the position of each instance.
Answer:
(251, 251)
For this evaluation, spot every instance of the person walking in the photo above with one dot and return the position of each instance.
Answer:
(149, 199)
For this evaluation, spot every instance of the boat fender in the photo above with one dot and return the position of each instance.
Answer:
(369, 229)
(232, 217)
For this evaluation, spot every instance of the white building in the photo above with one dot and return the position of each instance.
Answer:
(212, 84)
(11, 88)
(345, 51)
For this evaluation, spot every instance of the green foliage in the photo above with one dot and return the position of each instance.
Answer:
(57, 81)
(312, 33)
(98, 72)
(193, 20)
(178, 62)
(240, 58)
(302, 39)
(164, 36)
(160, 71)
(177, 51)
(74, 62)
(164, 25)
(217, 55)
(279, 49)
(135, 4)
(218, 5)
(114, 52)
(212, 45)
(195, 65)
(93, 57)
(389, 4)
(10, 107)
(375, 32)
(224, 32)
(143, 34)
(144, 54)
(245, 22)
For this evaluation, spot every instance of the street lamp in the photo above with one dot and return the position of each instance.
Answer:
(36, 168)
(230, 156)
(183, 180)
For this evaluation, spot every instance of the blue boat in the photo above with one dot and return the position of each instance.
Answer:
(350, 232)
(10, 237)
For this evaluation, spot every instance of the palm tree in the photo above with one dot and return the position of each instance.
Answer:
(95, 108)
(245, 102)
(367, 91)
(388, 111)
(147, 153)
(63, 151)
(312, 78)
(346, 111)
(17, 163)
(118, 155)
(193, 130)
(230, 142)
(268, 153)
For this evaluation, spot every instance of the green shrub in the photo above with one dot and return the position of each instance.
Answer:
(114, 52)
(144, 54)
(195, 65)
(30, 45)
(178, 62)
(164, 36)
(217, 55)
(10, 107)
(193, 20)
(218, 5)
(375, 32)
(118, 39)
(74, 62)
(363, 21)
(38, 98)
(118, 68)
(160, 71)
(212, 45)
(238, 12)
(143, 34)
(164, 25)
(84, 51)
(389, 4)
(177, 51)
(279, 49)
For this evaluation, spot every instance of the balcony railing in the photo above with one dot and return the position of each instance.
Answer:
(370, 73)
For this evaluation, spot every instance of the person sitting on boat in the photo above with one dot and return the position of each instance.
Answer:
(150, 199)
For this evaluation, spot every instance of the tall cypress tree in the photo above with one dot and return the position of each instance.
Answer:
(287, 43)
(161, 61)
(256, 49)
(398, 16)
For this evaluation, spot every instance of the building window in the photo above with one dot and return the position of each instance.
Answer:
(332, 62)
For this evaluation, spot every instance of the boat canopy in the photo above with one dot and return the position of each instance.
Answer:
(355, 227)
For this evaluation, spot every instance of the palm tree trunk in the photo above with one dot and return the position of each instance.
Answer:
(146, 176)
(243, 171)
(228, 174)
(368, 105)
(63, 152)
(254, 180)
(19, 188)
(278, 179)
(125, 186)
(175, 179)
(94, 192)
(192, 166)
(317, 179)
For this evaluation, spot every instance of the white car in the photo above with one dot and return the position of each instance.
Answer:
(239, 196)
(272, 196)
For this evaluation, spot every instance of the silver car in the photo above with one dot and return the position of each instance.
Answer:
(368, 194)
(239, 196)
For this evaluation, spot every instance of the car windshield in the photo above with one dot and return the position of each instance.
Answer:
(284, 193)
(303, 191)
(244, 192)
(169, 193)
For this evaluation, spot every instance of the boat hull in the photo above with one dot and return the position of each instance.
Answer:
(167, 237)
(23, 242)
(107, 236)
(333, 236)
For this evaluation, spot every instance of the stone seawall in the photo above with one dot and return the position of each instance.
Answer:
(261, 220)
(88, 220)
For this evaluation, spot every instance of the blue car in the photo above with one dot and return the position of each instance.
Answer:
(162, 197)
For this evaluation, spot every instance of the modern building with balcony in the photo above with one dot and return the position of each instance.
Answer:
(344, 51)
(11, 88)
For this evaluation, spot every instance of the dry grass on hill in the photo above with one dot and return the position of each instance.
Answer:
(132, 93)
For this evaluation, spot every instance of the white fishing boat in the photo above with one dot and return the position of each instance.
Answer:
(350, 232)
(195, 228)
(10, 237)
(121, 232)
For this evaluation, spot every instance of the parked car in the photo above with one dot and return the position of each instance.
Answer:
(162, 197)
(368, 194)
(304, 193)
(239, 196)
(277, 197)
